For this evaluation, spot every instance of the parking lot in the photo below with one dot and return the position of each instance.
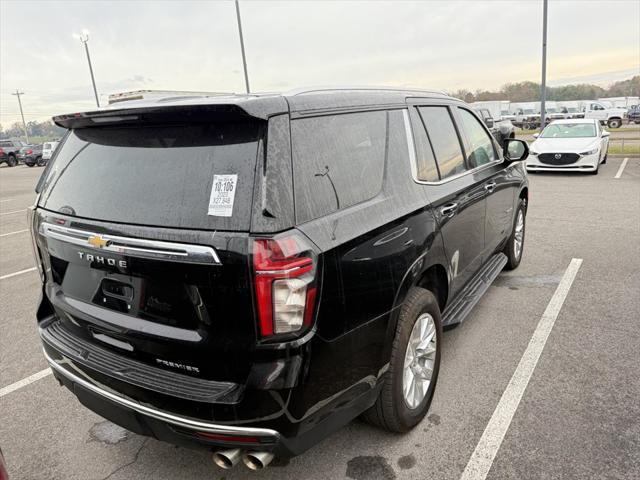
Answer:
(579, 416)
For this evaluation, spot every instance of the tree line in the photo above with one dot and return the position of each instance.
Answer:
(515, 92)
(45, 130)
(530, 92)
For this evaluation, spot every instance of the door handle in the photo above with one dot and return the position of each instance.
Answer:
(449, 210)
(490, 186)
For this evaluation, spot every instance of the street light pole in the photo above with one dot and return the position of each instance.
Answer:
(24, 124)
(244, 58)
(543, 86)
(84, 38)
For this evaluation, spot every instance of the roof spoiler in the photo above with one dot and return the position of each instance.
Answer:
(183, 113)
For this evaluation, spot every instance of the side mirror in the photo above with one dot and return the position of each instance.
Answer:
(536, 135)
(489, 122)
(605, 133)
(515, 150)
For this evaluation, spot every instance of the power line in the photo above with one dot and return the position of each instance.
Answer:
(24, 124)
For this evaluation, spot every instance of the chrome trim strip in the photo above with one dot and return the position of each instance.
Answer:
(134, 247)
(177, 420)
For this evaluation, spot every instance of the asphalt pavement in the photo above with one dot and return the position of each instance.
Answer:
(578, 417)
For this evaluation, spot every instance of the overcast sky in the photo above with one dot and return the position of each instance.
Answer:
(193, 45)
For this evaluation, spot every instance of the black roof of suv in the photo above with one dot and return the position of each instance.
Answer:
(262, 105)
(254, 271)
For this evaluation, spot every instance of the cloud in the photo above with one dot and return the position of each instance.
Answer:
(193, 45)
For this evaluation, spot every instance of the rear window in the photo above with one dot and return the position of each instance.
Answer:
(338, 161)
(156, 175)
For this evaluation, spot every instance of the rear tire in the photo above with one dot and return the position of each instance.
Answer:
(614, 123)
(391, 410)
(11, 161)
(40, 162)
(515, 244)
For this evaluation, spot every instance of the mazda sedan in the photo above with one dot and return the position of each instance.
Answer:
(577, 145)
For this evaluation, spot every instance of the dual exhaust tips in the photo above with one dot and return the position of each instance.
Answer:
(228, 459)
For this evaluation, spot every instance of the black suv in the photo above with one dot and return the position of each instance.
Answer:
(249, 273)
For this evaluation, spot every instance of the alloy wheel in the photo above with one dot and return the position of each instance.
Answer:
(419, 361)
(518, 239)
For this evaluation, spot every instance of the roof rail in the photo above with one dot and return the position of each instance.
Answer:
(302, 91)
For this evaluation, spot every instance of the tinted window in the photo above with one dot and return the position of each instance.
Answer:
(482, 151)
(154, 175)
(444, 139)
(426, 169)
(338, 161)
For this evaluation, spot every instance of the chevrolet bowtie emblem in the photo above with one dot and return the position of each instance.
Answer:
(98, 242)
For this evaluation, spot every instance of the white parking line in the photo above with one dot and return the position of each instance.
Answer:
(13, 233)
(14, 274)
(15, 211)
(621, 169)
(7, 200)
(482, 457)
(24, 382)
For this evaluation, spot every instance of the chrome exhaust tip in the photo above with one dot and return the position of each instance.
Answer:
(257, 460)
(227, 459)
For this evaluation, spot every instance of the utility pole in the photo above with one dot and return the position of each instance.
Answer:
(244, 58)
(24, 124)
(543, 86)
(84, 38)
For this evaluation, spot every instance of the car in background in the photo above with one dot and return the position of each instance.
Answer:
(552, 112)
(31, 155)
(9, 151)
(526, 118)
(634, 114)
(572, 112)
(47, 150)
(607, 115)
(578, 145)
(501, 129)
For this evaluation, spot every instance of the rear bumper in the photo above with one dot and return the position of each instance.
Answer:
(285, 422)
(147, 420)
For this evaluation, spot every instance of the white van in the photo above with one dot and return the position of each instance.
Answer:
(47, 150)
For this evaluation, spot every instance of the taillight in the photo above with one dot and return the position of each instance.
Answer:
(31, 217)
(1, 151)
(285, 283)
(29, 152)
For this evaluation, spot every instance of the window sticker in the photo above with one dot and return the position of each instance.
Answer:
(223, 191)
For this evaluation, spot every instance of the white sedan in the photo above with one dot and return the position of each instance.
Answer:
(578, 145)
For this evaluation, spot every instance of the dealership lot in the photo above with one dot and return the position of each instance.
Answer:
(579, 416)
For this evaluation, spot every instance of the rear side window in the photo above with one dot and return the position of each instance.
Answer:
(155, 175)
(444, 139)
(481, 145)
(426, 169)
(338, 161)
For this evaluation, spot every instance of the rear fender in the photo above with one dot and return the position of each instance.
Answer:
(432, 256)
